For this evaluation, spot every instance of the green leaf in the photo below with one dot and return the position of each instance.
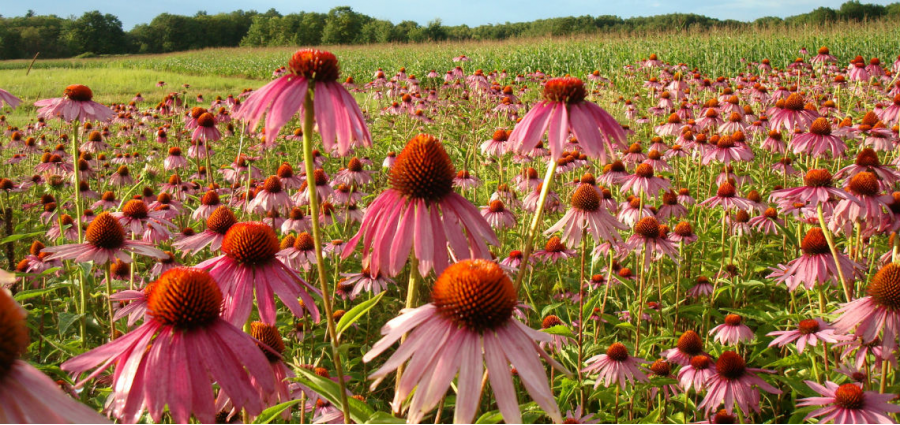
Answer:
(270, 414)
(354, 314)
(13, 238)
(31, 293)
(385, 418)
(331, 391)
(66, 320)
(561, 330)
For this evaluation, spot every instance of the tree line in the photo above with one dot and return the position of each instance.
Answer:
(95, 33)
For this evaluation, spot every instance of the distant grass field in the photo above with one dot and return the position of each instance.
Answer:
(221, 71)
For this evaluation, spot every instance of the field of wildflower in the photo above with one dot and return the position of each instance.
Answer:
(685, 227)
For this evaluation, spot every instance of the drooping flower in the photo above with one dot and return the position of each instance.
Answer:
(564, 110)
(339, 119)
(849, 404)
(732, 331)
(616, 366)
(586, 214)
(809, 331)
(26, 394)
(878, 312)
(76, 104)
(174, 357)
(104, 241)
(422, 212)
(249, 267)
(469, 323)
(733, 383)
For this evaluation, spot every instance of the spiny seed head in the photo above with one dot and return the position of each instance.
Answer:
(551, 321)
(771, 213)
(423, 170)
(742, 216)
(617, 352)
(869, 119)
(555, 244)
(731, 365)
(13, 333)
(210, 198)
(684, 229)
(818, 178)
(701, 362)
(733, 319)
(135, 209)
(185, 298)
(850, 396)
(105, 232)
(661, 368)
(272, 184)
(269, 336)
(79, 93)
(690, 343)
(475, 294)
(296, 214)
(586, 198)
(864, 184)
(496, 206)
(726, 190)
(814, 243)
(206, 120)
(808, 326)
(221, 220)
(820, 127)
(647, 227)
(867, 158)
(318, 65)
(250, 243)
(794, 102)
(635, 148)
(566, 89)
(304, 242)
(355, 165)
(644, 170)
(884, 288)
(723, 417)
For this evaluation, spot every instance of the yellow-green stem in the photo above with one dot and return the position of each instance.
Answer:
(535, 223)
(834, 252)
(309, 116)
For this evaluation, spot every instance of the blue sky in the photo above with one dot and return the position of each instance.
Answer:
(450, 12)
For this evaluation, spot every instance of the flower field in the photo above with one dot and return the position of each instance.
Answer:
(685, 227)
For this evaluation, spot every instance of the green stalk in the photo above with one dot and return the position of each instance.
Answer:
(834, 252)
(308, 119)
(535, 222)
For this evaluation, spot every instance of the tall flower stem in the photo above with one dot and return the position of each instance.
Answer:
(535, 223)
(834, 253)
(112, 322)
(75, 155)
(412, 296)
(581, 315)
(308, 118)
(640, 290)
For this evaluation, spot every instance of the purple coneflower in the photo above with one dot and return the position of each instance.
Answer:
(878, 312)
(689, 345)
(732, 331)
(816, 265)
(849, 404)
(468, 323)
(498, 216)
(554, 250)
(217, 225)
(76, 104)
(733, 383)
(586, 214)
(104, 241)
(809, 331)
(173, 358)
(616, 367)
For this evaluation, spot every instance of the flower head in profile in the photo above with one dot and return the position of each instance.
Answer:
(564, 110)
(732, 331)
(468, 324)
(174, 357)
(421, 213)
(104, 242)
(878, 312)
(587, 214)
(339, 119)
(849, 404)
(26, 394)
(249, 266)
(76, 104)
(733, 383)
(616, 366)
(808, 332)
(9, 99)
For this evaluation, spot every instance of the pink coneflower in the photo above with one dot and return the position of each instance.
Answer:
(767, 222)
(136, 218)
(733, 383)
(76, 104)
(26, 394)
(878, 312)
(817, 266)
(870, 211)
(819, 141)
(727, 150)
(136, 307)
(249, 263)
(732, 331)
(823, 56)
(174, 160)
(217, 225)
(498, 216)
(206, 130)
(468, 323)
(209, 202)
(555, 250)
(696, 373)
(586, 214)
(774, 143)
(271, 198)
(104, 241)
(465, 180)
(288, 179)
(702, 287)
(353, 174)
(809, 331)
(552, 203)
(563, 111)
(579, 416)
(8, 98)
(185, 327)
(818, 188)
(296, 222)
(849, 404)
(689, 345)
(793, 115)
(649, 240)
(422, 211)
(497, 145)
(867, 160)
(299, 253)
(557, 342)
(616, 367)
(643, 181)
(336, 112)
(727, 197)
(366, 281)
